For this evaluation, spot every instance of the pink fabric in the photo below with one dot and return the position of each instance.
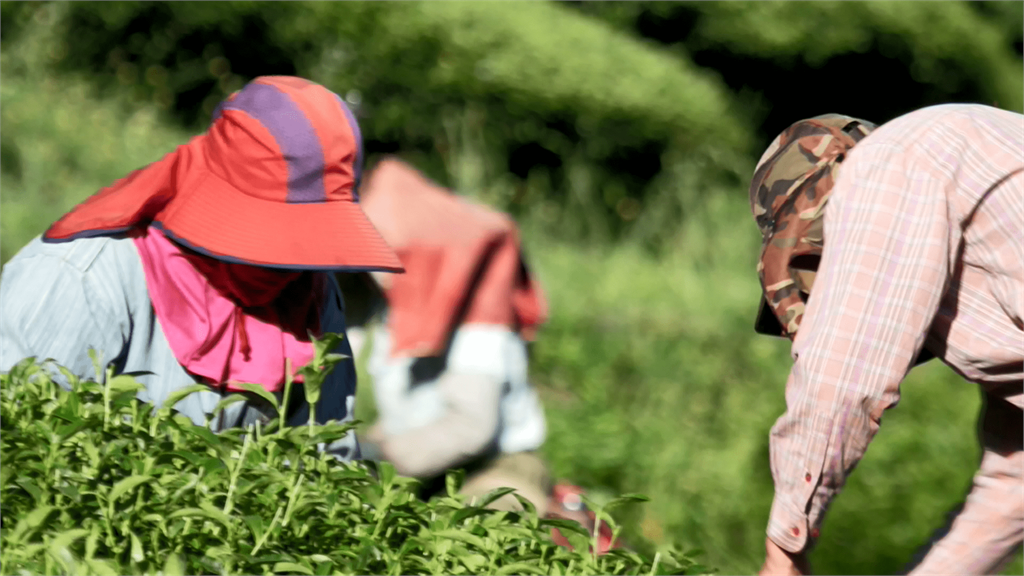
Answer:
(212, 337)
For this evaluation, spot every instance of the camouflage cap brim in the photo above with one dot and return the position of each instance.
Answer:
(767, 323)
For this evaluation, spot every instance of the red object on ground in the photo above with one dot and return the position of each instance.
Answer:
(567, 504)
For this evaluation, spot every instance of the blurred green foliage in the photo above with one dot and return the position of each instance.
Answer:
(621, 135)
(573, 113)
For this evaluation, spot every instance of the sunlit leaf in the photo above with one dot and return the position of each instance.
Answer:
(215, 515)
(65, 539)
(173, 566)
(462, 536)
(494, 495)
(137, 555)
(126, 485)
(292, 568)
(261, 392)
(624, 499)
(31, 521)
(519, 568)
(124, 383)
(179, 395)
(227, 401)
(255, 524)
(101, 567)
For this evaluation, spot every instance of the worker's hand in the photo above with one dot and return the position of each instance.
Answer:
(778, 562)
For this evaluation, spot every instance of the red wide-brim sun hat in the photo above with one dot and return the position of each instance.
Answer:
(219, 220)
(273, 183)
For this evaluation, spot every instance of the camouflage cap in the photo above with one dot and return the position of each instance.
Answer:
(791, 185)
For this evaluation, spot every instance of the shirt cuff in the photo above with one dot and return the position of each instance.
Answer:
(788, 527)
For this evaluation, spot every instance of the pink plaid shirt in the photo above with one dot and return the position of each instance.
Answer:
(914, 257)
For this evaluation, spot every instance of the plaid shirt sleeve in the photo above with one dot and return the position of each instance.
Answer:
(878, 287)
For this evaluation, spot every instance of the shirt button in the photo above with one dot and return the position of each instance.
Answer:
(807, 478)
(796, 531)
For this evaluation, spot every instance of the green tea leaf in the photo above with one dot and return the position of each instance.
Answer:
(519, 568)
(67, 538)
(292, 568)
(189, 457)
(178, 395)
(262, 393)
(94, 355)
(138, 373)
(624, 499)
(324, 345)
(31, 521)
(91, 541)
(123, 383)
(30, 486)
(70, 430)
(468, 512)
(462, 536)
(69, 376)
(211, 464)
(209, 438)
(453, 481)
(386, 471)
(255, 524)
(101, 567)
(227, 401)
(474, 562)
(137, 555)
(92, 452)
(494, 495)
(219, 515)
(212, 514)
(565, 525)
(125, 486)
(173, 566)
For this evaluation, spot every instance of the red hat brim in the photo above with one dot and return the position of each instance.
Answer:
(217, 219)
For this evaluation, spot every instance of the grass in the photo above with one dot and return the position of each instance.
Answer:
(653, 380)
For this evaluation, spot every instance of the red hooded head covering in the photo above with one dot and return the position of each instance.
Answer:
(463, 262)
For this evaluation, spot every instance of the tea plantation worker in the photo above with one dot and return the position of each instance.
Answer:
(912, 238)
(449, 361)
(211, 265)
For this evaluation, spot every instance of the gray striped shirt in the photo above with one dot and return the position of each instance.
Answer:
(59, 300)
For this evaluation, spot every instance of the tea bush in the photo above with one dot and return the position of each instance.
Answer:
(96, 482)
